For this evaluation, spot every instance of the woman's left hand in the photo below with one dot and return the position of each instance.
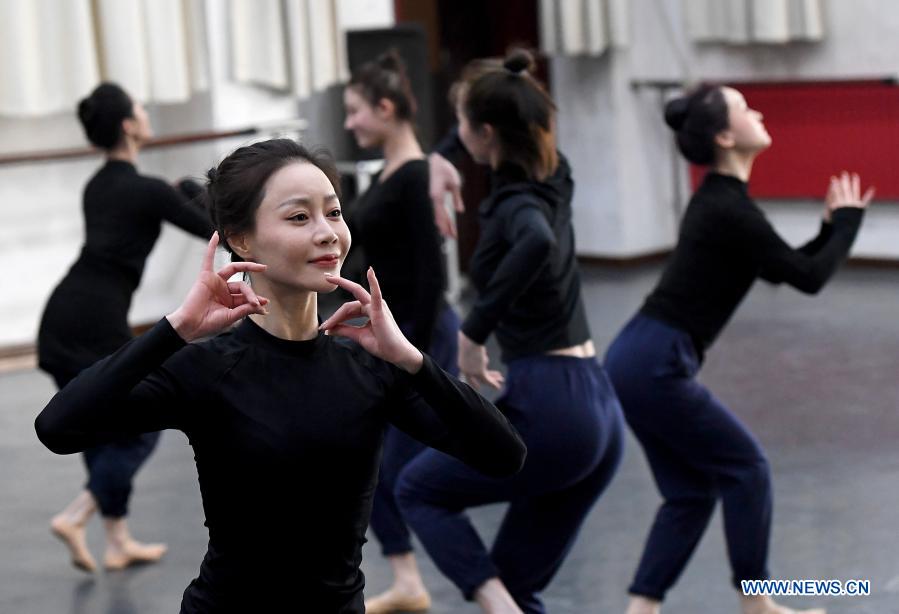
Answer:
(380, 336)
(473, 364)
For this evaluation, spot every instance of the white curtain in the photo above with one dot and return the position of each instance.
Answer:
(754, 21)
(52, 52)
(291, 45)
(47, 55)
(583, 27)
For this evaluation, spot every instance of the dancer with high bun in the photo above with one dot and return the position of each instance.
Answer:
(699, 452)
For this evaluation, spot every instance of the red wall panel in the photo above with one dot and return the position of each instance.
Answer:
(821, 128)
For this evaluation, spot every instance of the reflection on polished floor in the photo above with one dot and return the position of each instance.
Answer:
(814, 377)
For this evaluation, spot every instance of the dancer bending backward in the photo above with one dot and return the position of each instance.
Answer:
(394, 223)
(286, 420)
(557, 395)
(698, 451)
(86, 317)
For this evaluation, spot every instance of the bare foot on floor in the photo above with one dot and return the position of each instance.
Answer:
(397, 599)
(643, 605)
(132, 552)
(73, 536)
(766, 605)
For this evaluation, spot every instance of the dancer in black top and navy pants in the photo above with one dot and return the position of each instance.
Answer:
(698, 451)
(285, 417)
(393, 222)
(86, 317)
(557, 395)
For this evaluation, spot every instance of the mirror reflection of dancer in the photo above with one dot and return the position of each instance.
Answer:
(86, 316)
(286, 420)
(394, 223)
(698, 451)
(525, 271)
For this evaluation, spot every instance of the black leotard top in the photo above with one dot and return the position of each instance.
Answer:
(287, 441)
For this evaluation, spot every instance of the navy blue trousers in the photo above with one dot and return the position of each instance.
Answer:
(111, 467)
(568, 416)
(698, 452)
(386, 520)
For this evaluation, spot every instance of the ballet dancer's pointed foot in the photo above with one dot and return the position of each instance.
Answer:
(132, 552)
(72, 534)
(398, 600)
(494, 598)
(762, 604)
(643, 605)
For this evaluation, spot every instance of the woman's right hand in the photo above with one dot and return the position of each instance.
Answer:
(443, 178)
(213, 303)
(846, 191)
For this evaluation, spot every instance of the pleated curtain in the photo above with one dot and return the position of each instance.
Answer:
(52, 52)
(583, 27)
(292, 45)
(754, 21)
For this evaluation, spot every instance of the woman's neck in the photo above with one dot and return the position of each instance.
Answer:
(291, 315)
(126, 151)
(735, 164)
(399, 147)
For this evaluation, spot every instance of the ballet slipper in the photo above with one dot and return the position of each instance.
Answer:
(132, 552)
(394, 600)
(73, 536)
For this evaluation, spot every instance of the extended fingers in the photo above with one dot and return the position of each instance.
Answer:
(239, 267)
(347, 311)
(376, 298)
(209, 256)
(350, 286)
(240, 288)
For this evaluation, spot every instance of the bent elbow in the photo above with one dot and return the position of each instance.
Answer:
(49, 435)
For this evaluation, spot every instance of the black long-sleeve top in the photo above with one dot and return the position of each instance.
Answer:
(123, 213)
(287, 441)
(394, 222)
(86, 317)
(725, 242)
(525, 266)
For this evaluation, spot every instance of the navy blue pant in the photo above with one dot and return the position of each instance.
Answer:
(386, 520)
(698, 451)
(111, 467)
(568, 416)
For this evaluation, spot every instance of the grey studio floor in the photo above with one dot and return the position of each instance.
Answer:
(816, 378)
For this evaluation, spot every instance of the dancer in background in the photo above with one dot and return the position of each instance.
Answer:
(86, 317)
(697, 449)
(393, 222)
(557, 395)
(286, 419)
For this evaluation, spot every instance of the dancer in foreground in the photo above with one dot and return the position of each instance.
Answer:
(286, 420)
(86, 317)
(698, 450)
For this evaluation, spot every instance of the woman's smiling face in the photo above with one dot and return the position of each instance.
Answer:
(299, 232)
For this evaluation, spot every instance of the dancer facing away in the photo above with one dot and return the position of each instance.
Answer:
(697, 449)
(286, 419)
(394, 223)
(557, 395)
(86, 317)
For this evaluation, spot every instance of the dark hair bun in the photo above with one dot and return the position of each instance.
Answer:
(676, 112)
(86, 110)
(518, 61)
(102, 112)
(391, 60)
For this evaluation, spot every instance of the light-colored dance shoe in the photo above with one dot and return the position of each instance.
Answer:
(391, 602)
(133, 553)
(73, 536)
